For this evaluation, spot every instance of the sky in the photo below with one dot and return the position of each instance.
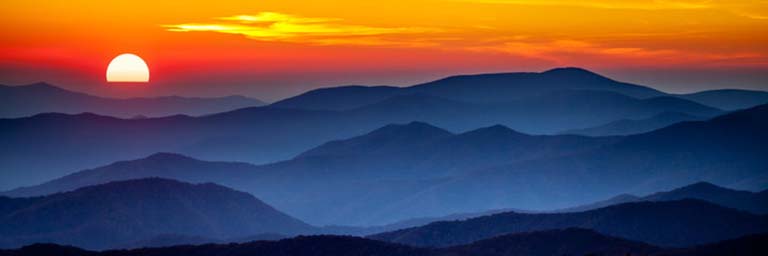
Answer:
(275, 49)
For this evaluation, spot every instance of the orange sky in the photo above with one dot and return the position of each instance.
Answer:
(272, 49)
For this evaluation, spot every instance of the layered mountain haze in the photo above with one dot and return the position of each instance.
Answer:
(629, 126)
(28, 100)
(754, 202)
(160, 165)
(721, 149)
(396, 161)
(114, 214)
(482, 88)
(506, 87)
(728, 99)
(657, 223)
(534, 103)
(392, 128)
(419, 170)
(570, 242)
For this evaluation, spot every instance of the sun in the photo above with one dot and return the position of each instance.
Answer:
(128, 67)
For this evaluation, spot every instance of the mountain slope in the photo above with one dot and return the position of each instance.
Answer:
(160, 165)
(47, 146)
(728, 99)
(428, 172)
(116, 213)
(28, 100)
(390, 163)
(721, 150)
(389, 139)
(658, 223)
(628, 126)
(747, 245)
(756, 203)
(482, 88)
(339, 98)
(571, 241)
(743, 200)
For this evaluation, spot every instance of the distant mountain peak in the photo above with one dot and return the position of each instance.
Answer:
(42, 84)
(40, 87)
(703, 184)
(496, 130)
(168, 156)
(573, 71)
(699, 187)
(150, 207)
(625, 197)
(569, 70)
(414, 126)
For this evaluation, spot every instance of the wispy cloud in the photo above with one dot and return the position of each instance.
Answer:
(745, 8)
(560, 49)
(272, 26)
(569, 52)
(607, 4)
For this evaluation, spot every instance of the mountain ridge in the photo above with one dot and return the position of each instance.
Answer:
(655, 223)
(107, 215)
(27, 100)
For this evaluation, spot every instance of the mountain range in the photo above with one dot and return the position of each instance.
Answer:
(754, 202)
(630, 126)
(28, 100)
(728, 99)
(418, 170)
(681, 223)
(506, 87)
(486, 164)
(116, 213)
(570, 242)
(46, 146)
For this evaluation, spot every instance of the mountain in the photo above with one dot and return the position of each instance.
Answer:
(569, 242)
(339, 98)
(28, 100)
(390, 163)
(389, 139)
(55, 144)
(728, 99)
(719, 150)
(117, 213)
(168, 240)
(482, 88)
(628, 126)
(657, 223)
(417, 170)
(747, 245)
(743, 200)
(504, 87)
(427, 151)
(46, 146)
(545, 113)
(620, 199)
(756, 203)
(160, 165)
(299, 246)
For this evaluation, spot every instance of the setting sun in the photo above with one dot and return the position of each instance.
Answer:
(127, 67)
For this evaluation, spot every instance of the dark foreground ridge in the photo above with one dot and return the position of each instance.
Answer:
(569, 242)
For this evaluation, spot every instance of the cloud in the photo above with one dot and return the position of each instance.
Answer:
(631, 48)
(630, 4)
(744, 8)
(575, 52)
(272, 26)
